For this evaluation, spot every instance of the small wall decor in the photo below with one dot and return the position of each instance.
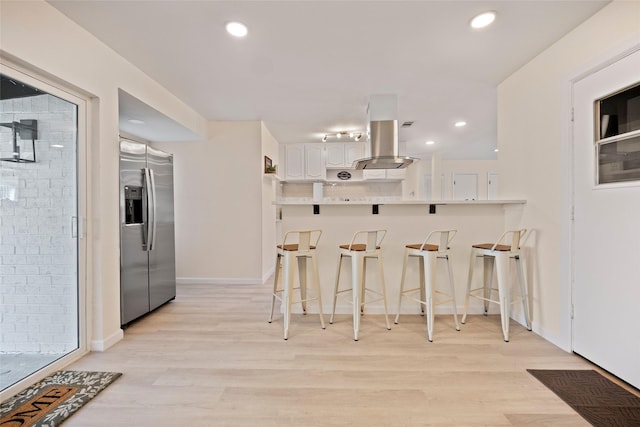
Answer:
(269, 167)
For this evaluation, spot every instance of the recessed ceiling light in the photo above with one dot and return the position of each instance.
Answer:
(136, 121)
(495, 150)
(237, 29)
(483, 20)
(460, 124)
(430, 142)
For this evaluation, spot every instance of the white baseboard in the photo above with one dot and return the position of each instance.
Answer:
(218, 281)
(102, 345)
(267, 275)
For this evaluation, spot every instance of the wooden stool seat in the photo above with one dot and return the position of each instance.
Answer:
(356, 247)
(424, 247)
(292, 247)
(490, 246)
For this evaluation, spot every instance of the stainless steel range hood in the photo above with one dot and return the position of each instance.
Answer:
(383, 136)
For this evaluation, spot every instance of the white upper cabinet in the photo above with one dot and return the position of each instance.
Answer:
(294, 161)
(352, 152)
(315, 167)
(343, 154)
(304, 162)
(335, 155)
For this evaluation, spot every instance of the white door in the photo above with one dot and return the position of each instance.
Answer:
(493, 180)
(606, 268)
(465, 186)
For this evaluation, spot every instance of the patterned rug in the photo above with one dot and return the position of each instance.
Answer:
(54, 399)
(596, 398)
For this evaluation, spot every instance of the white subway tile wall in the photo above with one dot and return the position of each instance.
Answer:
(38, 254)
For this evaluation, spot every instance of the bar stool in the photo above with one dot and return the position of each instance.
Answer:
(359, 253)
(428, 255)
(499, 254)
(287, 253)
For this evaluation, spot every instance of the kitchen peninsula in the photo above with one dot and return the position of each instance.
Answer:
(406, 221)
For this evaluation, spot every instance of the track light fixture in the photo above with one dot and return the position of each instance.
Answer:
(356, 136)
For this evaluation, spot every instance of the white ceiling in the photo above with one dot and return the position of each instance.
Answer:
(309, 67)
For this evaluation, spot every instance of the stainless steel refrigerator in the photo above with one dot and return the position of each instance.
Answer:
(147, 240)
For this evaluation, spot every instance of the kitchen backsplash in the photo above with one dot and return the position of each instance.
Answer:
(341, 191)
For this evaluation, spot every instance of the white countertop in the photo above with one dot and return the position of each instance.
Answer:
(374, 201)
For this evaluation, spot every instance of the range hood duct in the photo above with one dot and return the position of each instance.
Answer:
(383, 136)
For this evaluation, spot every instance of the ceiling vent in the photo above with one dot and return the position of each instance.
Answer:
(406, 124)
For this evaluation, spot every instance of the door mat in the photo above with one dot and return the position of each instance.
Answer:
(54, 399)
(596, 398)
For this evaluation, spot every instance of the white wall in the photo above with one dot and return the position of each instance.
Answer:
(218, 204)
(479, 167)
(415, 180)
(41, 38)
(533, 137)
(270, 148)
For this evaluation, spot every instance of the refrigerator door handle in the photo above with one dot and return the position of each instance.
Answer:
(152, 241)
(147, 203)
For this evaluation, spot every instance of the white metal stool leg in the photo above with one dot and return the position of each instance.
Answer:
(275, 286)
(523, 290)
(452, 293)
(357, 268)
(335, 291)
(384, 291)
(472, 261)
(488, 267)
(404, 274)
(302, 274)
(430, 277)
(316, 285)
(288, 275)
(502, 260)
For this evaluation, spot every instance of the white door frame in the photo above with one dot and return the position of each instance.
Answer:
(83, 102)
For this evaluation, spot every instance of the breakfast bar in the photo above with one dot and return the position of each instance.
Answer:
(406, 222)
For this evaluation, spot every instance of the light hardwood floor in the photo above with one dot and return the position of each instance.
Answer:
(210, 358)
